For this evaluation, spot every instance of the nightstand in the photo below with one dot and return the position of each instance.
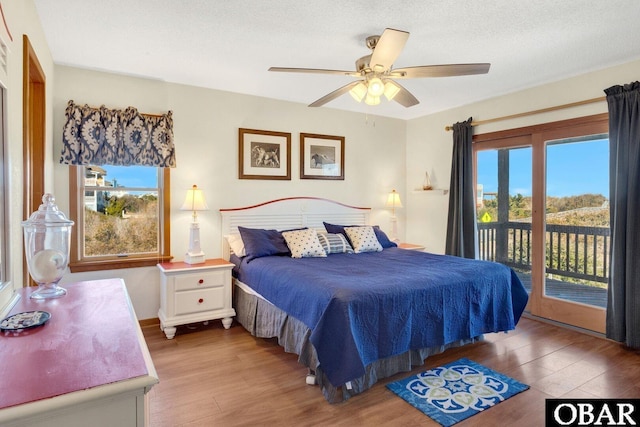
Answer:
(192, 293)
(411, 246)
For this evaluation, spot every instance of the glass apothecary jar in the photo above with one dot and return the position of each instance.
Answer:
(47, 237)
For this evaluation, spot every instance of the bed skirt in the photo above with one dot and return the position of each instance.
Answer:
(264, 320)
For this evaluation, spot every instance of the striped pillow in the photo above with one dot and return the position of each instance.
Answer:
(334, 243)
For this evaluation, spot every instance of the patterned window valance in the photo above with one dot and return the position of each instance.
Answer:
(102, 136)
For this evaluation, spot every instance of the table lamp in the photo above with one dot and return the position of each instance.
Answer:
(393, 201)
(194, 201)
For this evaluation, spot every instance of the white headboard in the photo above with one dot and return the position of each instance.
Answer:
(291, 212)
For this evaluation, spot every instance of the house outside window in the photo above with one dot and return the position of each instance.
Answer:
(121, 215)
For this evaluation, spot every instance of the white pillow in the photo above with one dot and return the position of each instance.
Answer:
(304, 243)
(363, 239)
(236, 244)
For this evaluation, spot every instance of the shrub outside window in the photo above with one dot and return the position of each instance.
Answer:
(121, 215)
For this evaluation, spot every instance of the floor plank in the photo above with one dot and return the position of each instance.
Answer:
(210, 376)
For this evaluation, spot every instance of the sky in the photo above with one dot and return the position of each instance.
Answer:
(132, 176)
(572, 169)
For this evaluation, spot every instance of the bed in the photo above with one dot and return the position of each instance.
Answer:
(365, 311)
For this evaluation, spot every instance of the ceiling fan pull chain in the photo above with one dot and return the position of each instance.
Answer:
(366, 120)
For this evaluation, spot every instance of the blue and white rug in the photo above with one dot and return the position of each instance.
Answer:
(451, 393)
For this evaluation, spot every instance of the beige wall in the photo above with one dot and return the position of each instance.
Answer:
(206, 126)
(429, 146)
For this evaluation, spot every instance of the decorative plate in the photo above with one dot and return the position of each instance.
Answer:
(25, 320)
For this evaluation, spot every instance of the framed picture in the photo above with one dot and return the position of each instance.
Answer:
(321, 156)
(263, 154)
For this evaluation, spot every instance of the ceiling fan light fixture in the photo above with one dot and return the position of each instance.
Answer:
(391, 89)
(375, 73)
(372, 100)
(376, 87)
(358, 91)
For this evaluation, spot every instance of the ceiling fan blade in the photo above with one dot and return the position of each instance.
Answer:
(333, 95)
(388, 49)
(315, 71)
(405, 98)
(439, 70)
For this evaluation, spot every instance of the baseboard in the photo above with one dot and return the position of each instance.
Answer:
(564, 325)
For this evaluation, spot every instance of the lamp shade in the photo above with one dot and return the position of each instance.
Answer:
(376, 87)
(393, 200)
(391, 89)
(371, 100)
(358, 91)
(194, 201)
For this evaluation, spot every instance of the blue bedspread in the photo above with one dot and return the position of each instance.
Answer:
(365, 307)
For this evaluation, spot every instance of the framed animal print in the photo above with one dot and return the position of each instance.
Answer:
(264, 154)
(321, 156)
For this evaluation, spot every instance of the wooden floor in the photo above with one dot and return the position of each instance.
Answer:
(210, 376)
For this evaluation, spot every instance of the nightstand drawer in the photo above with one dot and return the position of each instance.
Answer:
(199, 300)
(201, 280)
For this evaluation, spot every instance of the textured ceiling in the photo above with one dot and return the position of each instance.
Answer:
(229, 45)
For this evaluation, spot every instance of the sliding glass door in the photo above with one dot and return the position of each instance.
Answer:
(503, 207)
(577, 219)
(542, 209)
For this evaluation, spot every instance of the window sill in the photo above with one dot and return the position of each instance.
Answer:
(82, 266)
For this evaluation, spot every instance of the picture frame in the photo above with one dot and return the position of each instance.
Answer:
(264, 154)
(321, 156)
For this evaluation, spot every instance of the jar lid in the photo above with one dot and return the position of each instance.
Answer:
(48, 213)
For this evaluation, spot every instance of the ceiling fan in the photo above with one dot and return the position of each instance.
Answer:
(376, 75)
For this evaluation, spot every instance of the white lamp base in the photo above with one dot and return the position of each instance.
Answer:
(194, 255)
(394, 229)
(194, 258)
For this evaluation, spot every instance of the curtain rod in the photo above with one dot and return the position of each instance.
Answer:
(530, 113)
(142, 114)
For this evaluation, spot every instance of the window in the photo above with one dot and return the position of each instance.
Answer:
(121, 216)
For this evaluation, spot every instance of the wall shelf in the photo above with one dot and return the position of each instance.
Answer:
(434, 192)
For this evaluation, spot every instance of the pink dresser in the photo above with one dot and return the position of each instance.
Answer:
(87, 365)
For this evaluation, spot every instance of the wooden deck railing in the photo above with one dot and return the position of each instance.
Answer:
(572, 251)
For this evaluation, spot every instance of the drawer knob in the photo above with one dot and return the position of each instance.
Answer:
(201, 281)
(201, 300)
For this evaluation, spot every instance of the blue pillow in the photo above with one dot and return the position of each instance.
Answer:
(383, 238)
(259, 242)
(381, 235)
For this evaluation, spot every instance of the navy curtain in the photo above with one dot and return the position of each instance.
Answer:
(461, 225)
(623, 306)
(102, 136)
